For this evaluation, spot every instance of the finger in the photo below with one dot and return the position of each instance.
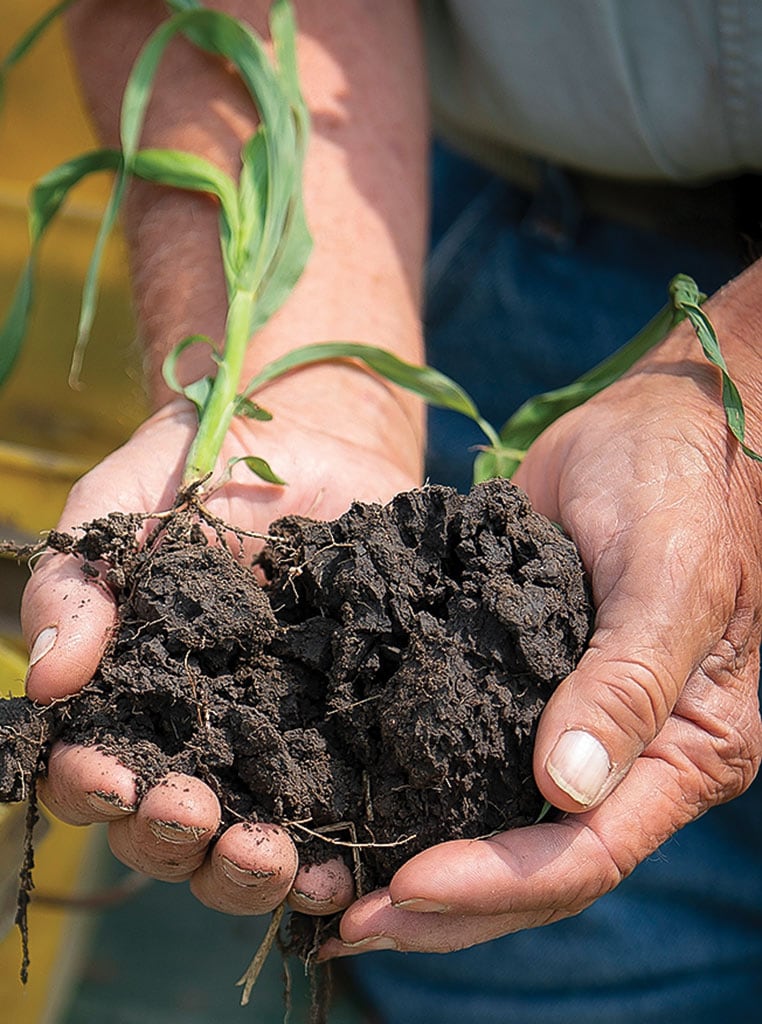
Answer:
(322, 888)
(67, 620)
(658, 616)
(524, 871)
(168, 836)
(249, 871)
(707, 752)
(376, 925)
(83, 785)
(459, 893)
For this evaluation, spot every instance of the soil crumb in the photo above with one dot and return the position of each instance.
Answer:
(382, 689)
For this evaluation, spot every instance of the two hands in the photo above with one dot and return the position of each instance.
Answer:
(658, 723)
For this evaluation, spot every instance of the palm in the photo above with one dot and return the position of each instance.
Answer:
(665, 513)
(168, 834)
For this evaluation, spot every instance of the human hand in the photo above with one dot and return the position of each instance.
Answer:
(363, 280)
(67, 621)
(660, 720)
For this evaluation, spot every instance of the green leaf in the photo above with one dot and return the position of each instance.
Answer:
(91, 286)
(221, 35)
(287, 247)
(45, 200)
(539, 412)
(530, 419)
(431, 385)
(270, 252)
(286, 267)
(199, 390)
(285, 270)
(134, 102)
(273, 244)
(178, 169)
(226, 37)
(252, 200)
(546, 808)
(498, 461)
(245, 407)
(283, 30)
(259, 468)
(295, 244)
(686, 299)
(27, 41)
(13, 330)
(52, 189)
(263, 233)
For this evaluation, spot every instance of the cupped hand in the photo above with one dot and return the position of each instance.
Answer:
(660, 720)
(67, 619)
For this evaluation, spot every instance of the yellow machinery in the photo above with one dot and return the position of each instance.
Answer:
(49, 435)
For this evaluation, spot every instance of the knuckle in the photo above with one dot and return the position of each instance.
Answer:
(608, 871)
(634, 699)
(735, 758)
(729, 720)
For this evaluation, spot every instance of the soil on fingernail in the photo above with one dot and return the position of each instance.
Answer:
(378, 695)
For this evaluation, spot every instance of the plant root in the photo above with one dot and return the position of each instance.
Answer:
(249, 977)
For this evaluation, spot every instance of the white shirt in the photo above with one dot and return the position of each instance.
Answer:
(639, 89)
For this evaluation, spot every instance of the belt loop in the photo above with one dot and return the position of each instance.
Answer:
(554, 214)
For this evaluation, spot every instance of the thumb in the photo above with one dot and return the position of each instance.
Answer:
(649, 638)
(66, 616)
(66, 619)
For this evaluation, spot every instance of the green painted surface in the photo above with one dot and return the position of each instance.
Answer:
(163, 958)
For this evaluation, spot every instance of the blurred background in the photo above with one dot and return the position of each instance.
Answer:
(49, 435)
(154, 956)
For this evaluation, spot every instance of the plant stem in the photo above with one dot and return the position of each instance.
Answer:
(220, 407)
(252, 972)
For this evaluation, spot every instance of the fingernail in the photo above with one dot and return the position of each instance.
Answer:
(373, 944)
(108, 803)
(305, 904)
(174, 832)
(422, 906)
(43, 644)
(580, 766)
(311, 901)
(242, 876)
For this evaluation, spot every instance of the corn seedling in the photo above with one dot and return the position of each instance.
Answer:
(264, 238)
(264, 247)
(265, 244)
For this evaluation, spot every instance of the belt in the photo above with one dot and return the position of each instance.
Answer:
(723, 214)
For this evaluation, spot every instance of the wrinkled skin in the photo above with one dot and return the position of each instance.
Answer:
(166, 835)
(665, 511)
(337, 435)
(663, 507)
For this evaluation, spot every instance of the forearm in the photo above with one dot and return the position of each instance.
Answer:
(364, 193)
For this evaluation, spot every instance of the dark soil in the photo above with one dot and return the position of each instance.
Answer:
(389, 675)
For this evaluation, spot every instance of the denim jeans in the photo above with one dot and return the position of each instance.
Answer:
(526, 293)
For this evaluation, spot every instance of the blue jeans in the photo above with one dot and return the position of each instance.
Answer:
(524, 295)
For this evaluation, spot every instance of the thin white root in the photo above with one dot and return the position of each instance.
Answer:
(319, 833)
(249, 978)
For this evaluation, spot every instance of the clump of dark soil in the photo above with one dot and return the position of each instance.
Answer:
(389, 675)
